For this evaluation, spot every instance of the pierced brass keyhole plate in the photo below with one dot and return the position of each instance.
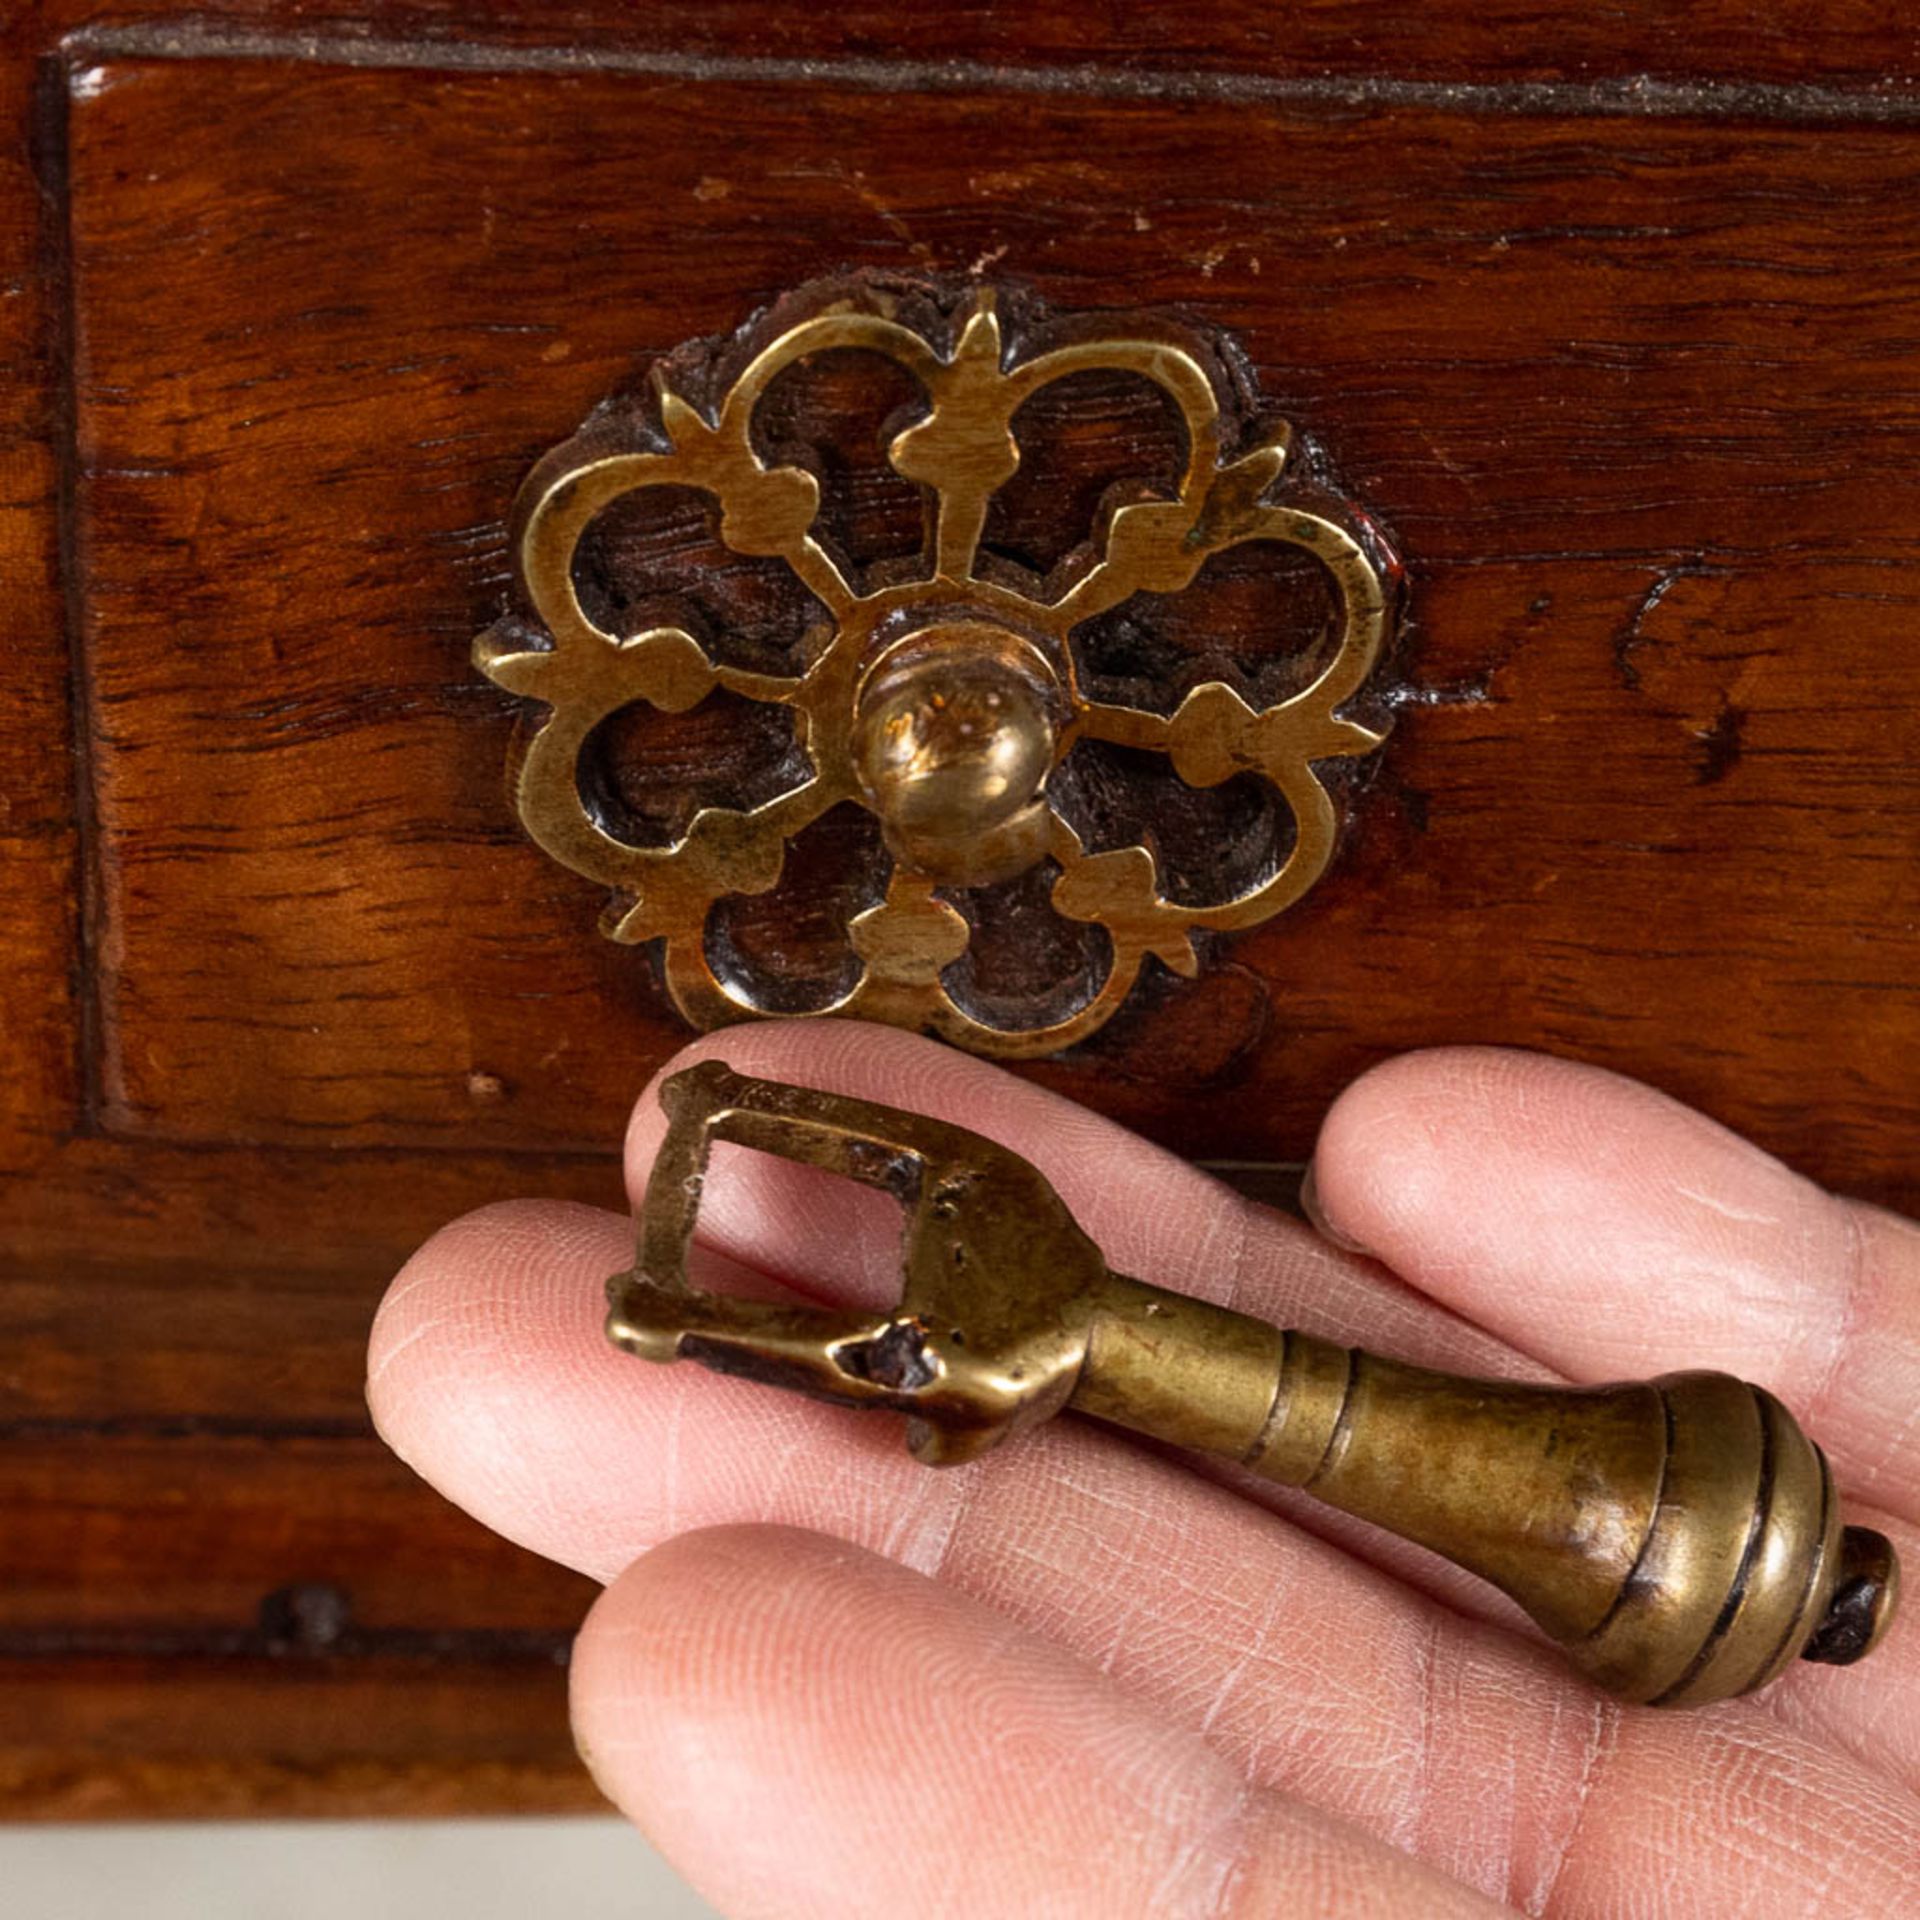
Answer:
(945, 697)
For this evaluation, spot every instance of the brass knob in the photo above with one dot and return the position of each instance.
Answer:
(947, 691)
(954, 738)
(1680, 1538)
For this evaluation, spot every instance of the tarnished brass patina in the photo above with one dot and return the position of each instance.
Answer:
(1679, 1538)
(944, 701)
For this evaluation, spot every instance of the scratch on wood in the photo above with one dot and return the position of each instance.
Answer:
(1633, 636)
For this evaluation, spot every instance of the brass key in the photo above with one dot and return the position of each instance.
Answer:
(1679, 1538)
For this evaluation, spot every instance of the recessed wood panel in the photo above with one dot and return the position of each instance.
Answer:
(1640, 402)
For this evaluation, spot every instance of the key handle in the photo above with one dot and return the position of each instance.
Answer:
(999, 1285)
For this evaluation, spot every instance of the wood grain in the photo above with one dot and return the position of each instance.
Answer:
(1608, 312)
(252, 1735)
(1655, 574)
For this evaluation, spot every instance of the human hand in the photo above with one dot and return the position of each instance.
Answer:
(1080, 1677)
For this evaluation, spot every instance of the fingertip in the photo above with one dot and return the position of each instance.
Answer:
(1315, 1208)
(716, 1693)
(1387, 1144)
(668, 1636)
(488, 1314)
(450, 1278)
(638, 1651)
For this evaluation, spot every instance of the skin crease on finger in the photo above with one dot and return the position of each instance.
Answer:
(1473, 1751)
(906, 1750)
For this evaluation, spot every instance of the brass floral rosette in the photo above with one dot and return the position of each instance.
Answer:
(947, 702)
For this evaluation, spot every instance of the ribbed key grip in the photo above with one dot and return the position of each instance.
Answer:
(1680, 1537)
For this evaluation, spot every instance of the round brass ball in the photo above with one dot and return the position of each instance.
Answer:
(954, 736)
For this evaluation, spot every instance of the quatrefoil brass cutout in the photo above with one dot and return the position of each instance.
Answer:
(949, 694)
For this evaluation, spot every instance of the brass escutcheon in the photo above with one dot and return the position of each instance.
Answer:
(945, 698)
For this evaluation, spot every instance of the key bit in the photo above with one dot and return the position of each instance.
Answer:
(1679, 1538)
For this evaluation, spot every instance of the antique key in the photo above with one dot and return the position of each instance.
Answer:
(1679, 1538)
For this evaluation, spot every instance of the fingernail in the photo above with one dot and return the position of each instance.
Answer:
(1317, 1216)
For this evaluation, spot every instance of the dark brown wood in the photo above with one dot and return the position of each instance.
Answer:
(221, 1594)
(1631, 372)
(196, 1536)
(249, 1735)
(1623, 642)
